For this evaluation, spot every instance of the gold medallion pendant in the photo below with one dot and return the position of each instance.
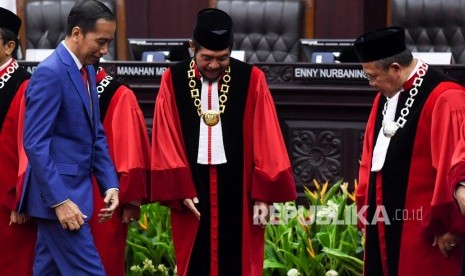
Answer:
(211, 117)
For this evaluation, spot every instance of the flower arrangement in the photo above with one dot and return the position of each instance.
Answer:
(320, 238)
(150, 249)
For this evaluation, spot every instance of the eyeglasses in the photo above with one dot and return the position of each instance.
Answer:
(369, 77)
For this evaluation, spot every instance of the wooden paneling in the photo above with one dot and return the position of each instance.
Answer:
(137, 18)
(309, 29)
(161, 18)
(348, 19)
(338, 18)
(324, 18)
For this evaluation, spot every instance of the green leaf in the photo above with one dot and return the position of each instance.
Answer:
(272, 264)
(323, 238)
(348, 262)
(334, 189)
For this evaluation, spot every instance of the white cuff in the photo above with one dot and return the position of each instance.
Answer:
(110, 190)
(63, 202)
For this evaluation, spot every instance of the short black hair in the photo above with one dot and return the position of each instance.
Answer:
(85, 14)
(404, 59)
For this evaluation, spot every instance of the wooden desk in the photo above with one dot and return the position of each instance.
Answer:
(322, 109)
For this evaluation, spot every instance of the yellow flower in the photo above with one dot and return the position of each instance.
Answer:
(317, 186)
(302, 223)
(310, 249)
(145, 224)
(323, 190)
(312, 194)
(352, 195)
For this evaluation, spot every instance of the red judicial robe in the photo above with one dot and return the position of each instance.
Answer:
(129, 148)
(17, 241)
(413, 183)
(225, 241)
(457, 171)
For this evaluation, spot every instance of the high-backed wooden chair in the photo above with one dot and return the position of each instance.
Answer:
(44, 24)
(267, 30)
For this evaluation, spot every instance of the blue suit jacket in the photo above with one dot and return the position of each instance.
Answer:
(63, 139)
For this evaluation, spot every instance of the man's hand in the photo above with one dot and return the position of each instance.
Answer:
(446, 243)
(18, 218)
(260, 205)
(190, 204)
(130, 213)
(111, 201)
(460, 196)
(69, 215)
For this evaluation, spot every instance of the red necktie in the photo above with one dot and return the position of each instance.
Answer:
(84, 79)
(84, 76)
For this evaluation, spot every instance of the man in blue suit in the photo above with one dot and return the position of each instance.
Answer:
(66, 145)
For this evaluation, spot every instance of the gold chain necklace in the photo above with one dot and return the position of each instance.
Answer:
(210, 117)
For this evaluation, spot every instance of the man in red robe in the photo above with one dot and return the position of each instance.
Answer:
(411, 223)
(217, 153)
(129, 147)
(17, 232)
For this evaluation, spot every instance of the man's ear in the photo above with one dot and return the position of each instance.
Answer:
(10, 47)
(396, 66)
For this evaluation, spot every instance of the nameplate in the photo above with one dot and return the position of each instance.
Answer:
(303, 73)
(136, 69)
(139, 70)
(328, 73)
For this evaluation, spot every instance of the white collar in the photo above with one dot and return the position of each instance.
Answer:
(76, 60)
(5, 64)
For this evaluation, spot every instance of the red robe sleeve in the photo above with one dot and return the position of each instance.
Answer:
(22, 157)
(367, 155)
(10, 140)
(171, 175)
(273, 178)
(447, 117)
(130, 146)
(457, 169)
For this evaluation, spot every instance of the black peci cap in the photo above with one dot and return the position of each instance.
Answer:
(381, 43)
(9, 20)
(214, 29)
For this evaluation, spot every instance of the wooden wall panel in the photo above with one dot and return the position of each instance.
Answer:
(161, 18)
(137, 20)
(325, 18)
(348, 19)
(338, 18)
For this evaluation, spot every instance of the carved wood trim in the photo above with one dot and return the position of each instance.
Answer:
(121, 41)
(309, 27)
(388, 11)
(20, 11)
